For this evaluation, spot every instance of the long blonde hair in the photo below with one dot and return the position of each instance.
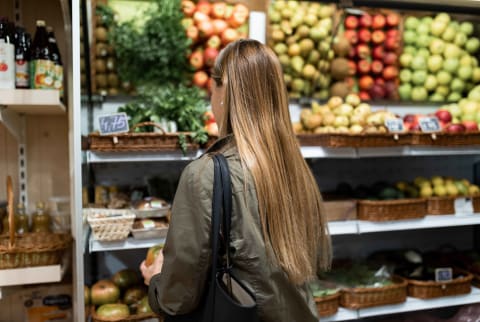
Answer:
(290, 204)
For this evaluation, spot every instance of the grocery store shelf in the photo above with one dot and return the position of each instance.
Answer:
(343, 227)
(32, 101)
(411, 304)
(323, 152)
(129, 243)
(31, 275)
(105, 157)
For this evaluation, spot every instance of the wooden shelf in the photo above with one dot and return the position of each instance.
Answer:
(32, 101)
(31, 275)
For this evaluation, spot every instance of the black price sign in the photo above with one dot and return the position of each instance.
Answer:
(429, 124)
(394, 125)
(443, 274)
(113, 123)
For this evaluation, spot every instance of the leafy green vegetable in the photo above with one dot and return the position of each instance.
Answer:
(155, 53)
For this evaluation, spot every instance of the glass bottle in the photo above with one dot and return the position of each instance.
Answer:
(21, 220)
(57, 60)
(41, 219)
(22, 59)
(7, 56)
(42, 67)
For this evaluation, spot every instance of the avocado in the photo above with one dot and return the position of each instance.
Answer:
(388, 193)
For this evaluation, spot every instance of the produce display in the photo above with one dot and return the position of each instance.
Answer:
(342, 116)
(119, 297)
(373, 59)
(439, 59)
(210, 27)
(300, 33)
(438, 186)
(463, 116)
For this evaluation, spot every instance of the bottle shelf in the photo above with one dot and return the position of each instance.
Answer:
(32, 101)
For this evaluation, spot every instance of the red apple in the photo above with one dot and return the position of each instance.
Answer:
(212, 129)
(199, 17)
(237, 19)
(205, 7)
(228, 12)
(364, 35)
(455, 128)
(391, 43)
(363, 66)
(390, 72)
(351, 22)
(209, 56)
(414, 127)
(196, 59)
(214, 42)
(391, 88)
(200, 78)
(188, 8)
(352, 70)
(208, 117)
(377, 67)
(219, 25)
(379, 81)
(378, 21)
(192, 33)
(218, 9)
(444, 115)
(378, 52)
(364, 96)
(206, 28)
(363, 51)
(229, 35)
(350, 81)
(241, 8)
(352, 53)
(393, 19)
(470, 126)
(351, 35)
(410, 118)
(393, 33)
(377, 91)
(365, 20)
(390, 58)
(378, 37)
(365, 82)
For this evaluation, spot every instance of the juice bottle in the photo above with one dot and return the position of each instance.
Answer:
(7, 57)
(57, 60)
(21, 220)
(42, 67)
(41, 219)
(22, 59)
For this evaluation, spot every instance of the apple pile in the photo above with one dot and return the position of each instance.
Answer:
(300, 33)
(438, 60)
(374, 54)
(342, 116)
(119, 297)
(211, 26)
(438, 186)
(209, 123)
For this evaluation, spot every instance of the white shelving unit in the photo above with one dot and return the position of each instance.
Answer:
(129, 243)
(31, 275)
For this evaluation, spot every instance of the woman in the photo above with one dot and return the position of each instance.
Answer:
(279, 235)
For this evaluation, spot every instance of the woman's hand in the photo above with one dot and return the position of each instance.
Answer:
(155, 268)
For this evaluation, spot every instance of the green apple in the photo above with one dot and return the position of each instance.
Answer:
(477, 117)
(437, 46)
(444, 77)
(442, 16)
(411, 23)
(419, 94)
(472, 45)
(436, 97)
(464, 72)
(430, 82)
(437, 27)
(405, 75)
(452, 51)
(419, 63)
(423, 40)
(466, 60)
(423, 29)
(435, 63)
(471, 107)
(457, 85)
(406, 59)
(405, 91)
(474, 94)
(410, 50)
(454, 97)
(476, 75)
(409, 37)
(469, 117)
(467, 28)
(443, 90)
(460, 39)
(451, 65)
(419, 77)
(449, 34)
(423, 52)
(455, 110)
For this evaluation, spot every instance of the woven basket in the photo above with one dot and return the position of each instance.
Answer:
(441, 205)
(391, 209)
(140, 141)
(362, 297)
(431, 289)
(476, 203)
(372, 140)
(109, 224)
(314, 139)
(131, 318)
(29, 249)
(328, 304)
(446, 139)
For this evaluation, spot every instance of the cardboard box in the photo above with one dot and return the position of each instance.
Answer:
(341, 210)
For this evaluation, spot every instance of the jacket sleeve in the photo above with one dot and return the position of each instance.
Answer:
(178, 289)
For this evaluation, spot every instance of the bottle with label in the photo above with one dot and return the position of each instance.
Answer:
(21, 220)
(22, 59)
(41, 220)
(57, 60)
(42, 68)
(7, 56)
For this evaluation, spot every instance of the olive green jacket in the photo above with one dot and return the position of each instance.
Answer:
(178, 289)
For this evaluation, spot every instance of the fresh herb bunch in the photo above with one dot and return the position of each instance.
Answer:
(155, 52)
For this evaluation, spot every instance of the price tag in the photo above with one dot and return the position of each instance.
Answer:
(394, 125)
(443, 274)
(113, 123)
(429, 124)
(463, 206)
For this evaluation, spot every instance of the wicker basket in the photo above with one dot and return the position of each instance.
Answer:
(109, 224)
(131, 318)
(441, 205)
(432, 289)
(476, 203)
(328, 304)
(362, 297)
(391, 209)
(337, 140)
(29, 249)
(140, 141)
(446, 139)
(314, 139)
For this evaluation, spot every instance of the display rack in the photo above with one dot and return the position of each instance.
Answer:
(31, 275)
(129, 243)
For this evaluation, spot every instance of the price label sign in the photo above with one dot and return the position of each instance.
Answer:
(463, 206)
(395, 125)
(113, 123)
(443, 274)
(429, 124)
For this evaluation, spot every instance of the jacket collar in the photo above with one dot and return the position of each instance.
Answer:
(225, 145)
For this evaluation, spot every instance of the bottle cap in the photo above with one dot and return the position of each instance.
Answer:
(40, 23)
